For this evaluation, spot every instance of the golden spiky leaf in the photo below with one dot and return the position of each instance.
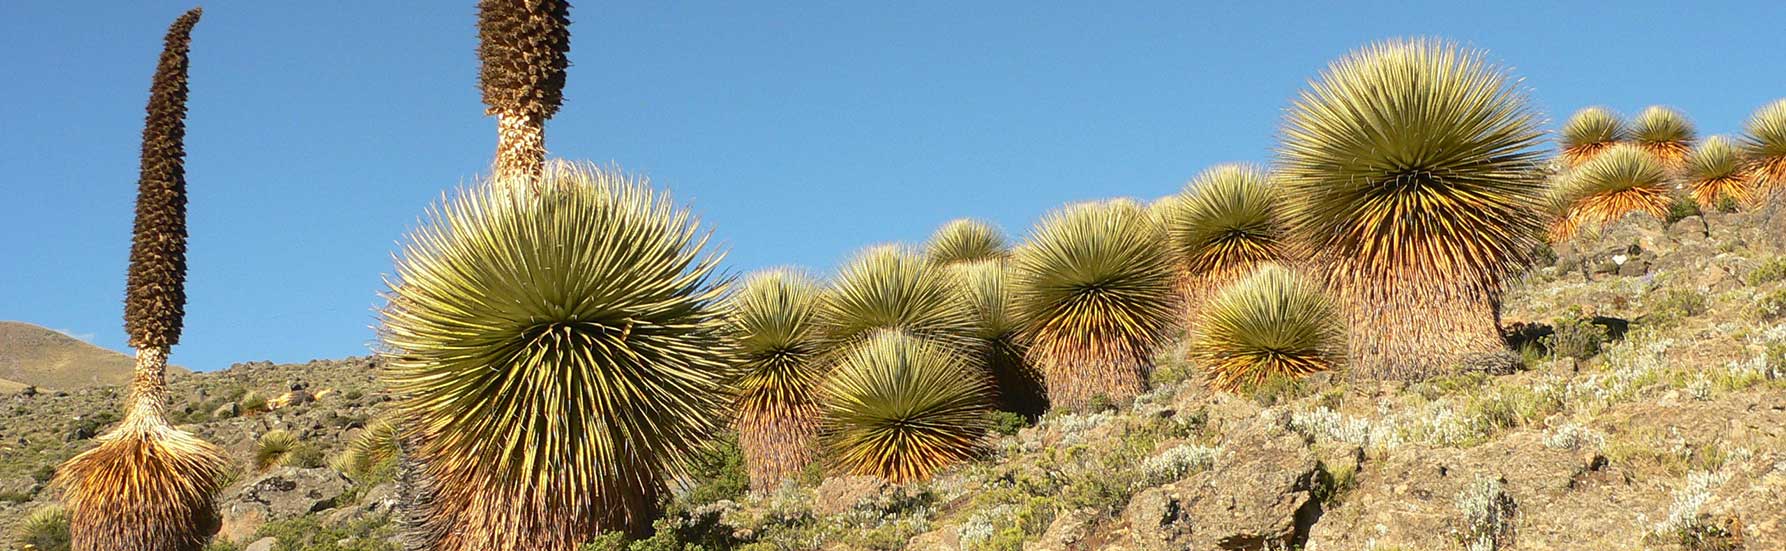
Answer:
(773, 319)
(902, 408)
(1624, 180)
(1273, 323)
(1591, 131)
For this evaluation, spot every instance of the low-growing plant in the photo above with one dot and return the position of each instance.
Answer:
(310, 533)
(1676, 305)
(1772, 269)
(252, 402)
(46, 529)
(1008, 423)
(1575, 337)
(1772, 306)
(1490, 516)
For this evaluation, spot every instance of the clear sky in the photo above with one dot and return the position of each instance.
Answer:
(800, 131)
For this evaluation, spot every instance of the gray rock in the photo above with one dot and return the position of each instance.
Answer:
(1259, 495)
(279, 494)
(263, 544)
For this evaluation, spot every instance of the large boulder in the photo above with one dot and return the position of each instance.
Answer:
(279, 494)
(1258, 495)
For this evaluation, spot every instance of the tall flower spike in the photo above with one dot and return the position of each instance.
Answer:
(148, 486)
(523, 47)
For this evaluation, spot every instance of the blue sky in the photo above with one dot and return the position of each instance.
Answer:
(800, 131)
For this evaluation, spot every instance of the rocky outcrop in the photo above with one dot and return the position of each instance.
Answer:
(1259, 495)
(279, 494)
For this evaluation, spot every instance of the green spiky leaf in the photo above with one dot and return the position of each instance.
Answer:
(1618, 182)
(893, 287)
(990, 298)
(1227, 222)
(1411, 173)
(1094, 289)
(558, 355)
(1590, 131)
(1764, 143)
(966, 240)
(1715, 172)
(1273, 323)
(902, 408)
(1665, 133)
(773, 321)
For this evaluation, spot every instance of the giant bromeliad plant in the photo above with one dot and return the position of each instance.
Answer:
(1715, 174)
(148, 486)
(1094, 292)
(966, 240)
(1274, 323)
(893, 287)
(773, 322)
(986, 284)
(1623, 180)
(1410, 170)
(523, 47)
(901, 408)
(559, 356)
(1589, 132)
(1666, 134)
(1226, 222)
(1764, 144)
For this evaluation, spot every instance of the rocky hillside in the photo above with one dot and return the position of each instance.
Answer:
(1645, 408)
(47, 359)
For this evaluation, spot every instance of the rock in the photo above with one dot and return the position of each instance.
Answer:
(1067, 530)
(1259, 495)
(263, 544)
(840, 494)
(279, 494)
(28, 392)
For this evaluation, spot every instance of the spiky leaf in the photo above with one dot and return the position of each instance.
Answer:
(1094, 289)
(966, 240)
(146, 487)
(1621, 181)
(773, 320)
(1273, 323)
(902, 408)
(1411, 173)
(1715, 172)
(1764, 143)
(1590, 131)
(893, 287)
(1665, 133)
(558, 355)
(155, 294)
(1226, 224)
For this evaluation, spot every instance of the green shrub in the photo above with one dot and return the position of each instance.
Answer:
(1772, 306)
(1678, 304)
(1277, 389)
(717, 474)
(46, 529)
(1008, 423)
(309, 533)
(1771, 270)
(1575, 337)
(14, 496)
(1681, 208)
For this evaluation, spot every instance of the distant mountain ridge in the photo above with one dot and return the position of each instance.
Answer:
(31, 355)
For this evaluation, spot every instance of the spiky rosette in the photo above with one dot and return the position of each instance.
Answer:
(376, 449)
(1094, 287)
(901, 408)
(1274, 323)
(1665, 133)
(523, 49)
(989, 297)
(1591, 131)
(1621, 181)
(1411, 171)
(893, 287)
(1764, 143)
(155, 295)
(1715, 173)
(772, 319)
(1226, 224)
(558, 356)
(966, 240)
(147, 486)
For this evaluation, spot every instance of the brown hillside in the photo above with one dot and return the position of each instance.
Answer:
(33, 355)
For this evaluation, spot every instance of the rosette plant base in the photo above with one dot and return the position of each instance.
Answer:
(560, 355)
